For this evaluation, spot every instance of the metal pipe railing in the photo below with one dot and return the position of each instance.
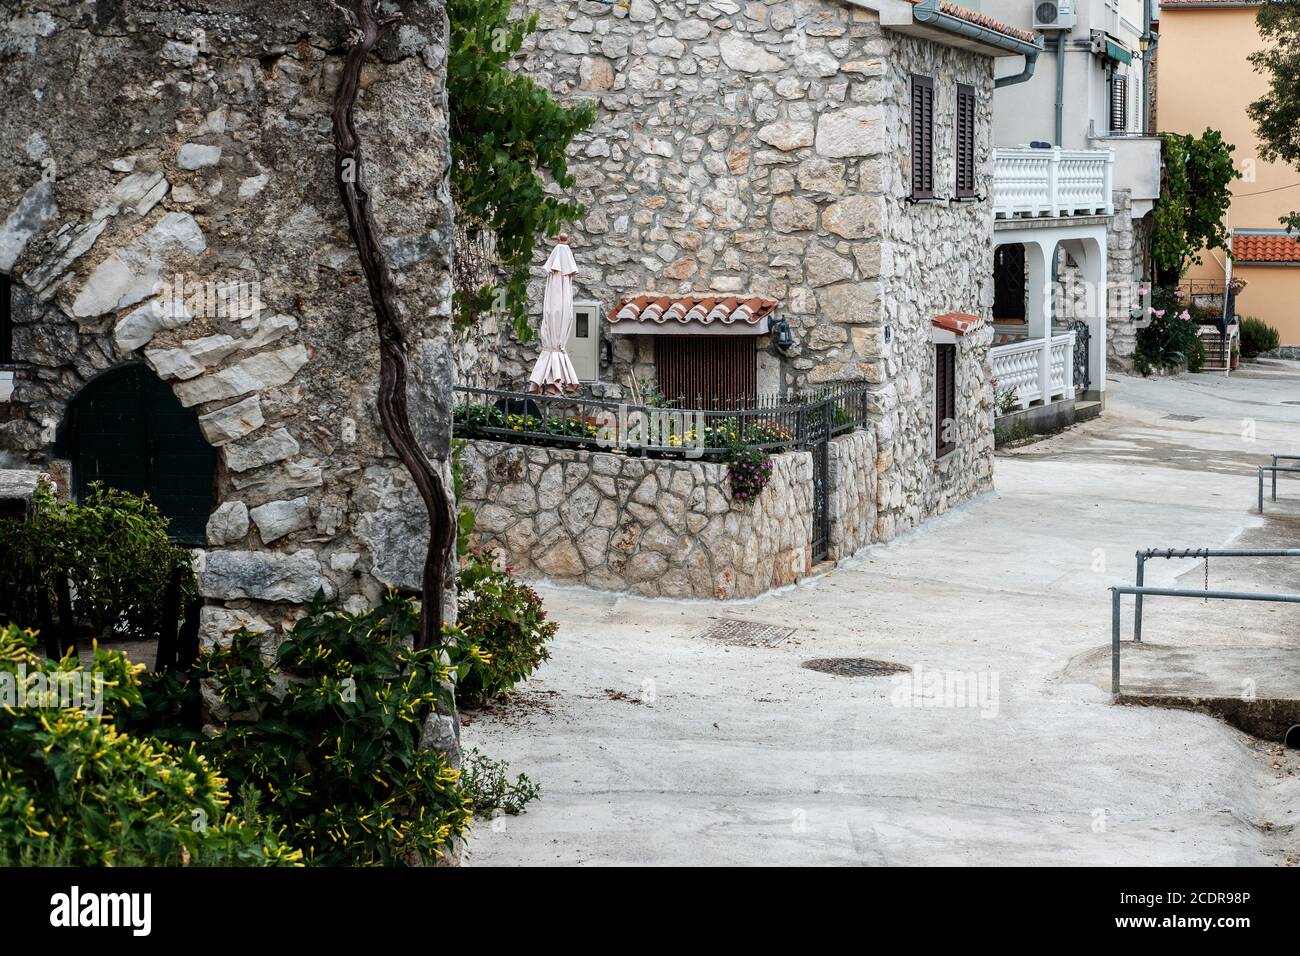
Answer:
(1143, 556)
(1116, 594)
(1275, 468)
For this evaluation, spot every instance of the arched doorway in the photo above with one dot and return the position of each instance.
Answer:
(127, 430)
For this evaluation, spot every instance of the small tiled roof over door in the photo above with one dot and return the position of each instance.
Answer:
(648, 311)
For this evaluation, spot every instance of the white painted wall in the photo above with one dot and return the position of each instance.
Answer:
(1026, 111)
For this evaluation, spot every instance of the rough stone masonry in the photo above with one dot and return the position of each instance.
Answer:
(152, 146)
(762, 148)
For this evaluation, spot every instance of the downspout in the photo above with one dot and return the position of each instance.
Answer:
(1060, 83)
(929, 13)
(1149, 41)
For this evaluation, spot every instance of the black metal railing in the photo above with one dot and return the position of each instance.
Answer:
(672, 429)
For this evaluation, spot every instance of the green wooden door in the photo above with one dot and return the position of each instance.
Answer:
(127, 430)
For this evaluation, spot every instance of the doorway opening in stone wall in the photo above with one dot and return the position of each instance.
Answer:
(1009, 305)
(706, 371)
(126, 429)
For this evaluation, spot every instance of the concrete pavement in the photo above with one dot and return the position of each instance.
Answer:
(656, 746)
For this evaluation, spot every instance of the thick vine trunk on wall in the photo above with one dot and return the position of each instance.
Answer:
(149, 141)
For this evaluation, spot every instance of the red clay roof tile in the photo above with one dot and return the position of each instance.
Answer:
(958, 322)
(1269, 247)
(703, 309)
(983, 20)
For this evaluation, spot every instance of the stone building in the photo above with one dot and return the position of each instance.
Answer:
(826, 163)
(184, 309)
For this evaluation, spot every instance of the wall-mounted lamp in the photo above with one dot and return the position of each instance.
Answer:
(782, 337)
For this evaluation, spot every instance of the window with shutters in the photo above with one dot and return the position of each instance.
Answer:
(922, 137)
(1118, 103)
(945, 399)
(965, 142)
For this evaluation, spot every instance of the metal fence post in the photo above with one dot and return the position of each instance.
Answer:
(1275, 477)
(1261, 488)
(1137, 604)
(1114, 642)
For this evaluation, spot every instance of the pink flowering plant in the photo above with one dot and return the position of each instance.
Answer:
(1171, 339)
(749, 472)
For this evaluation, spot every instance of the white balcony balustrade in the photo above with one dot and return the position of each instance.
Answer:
(1038, 369)
(1031, 182)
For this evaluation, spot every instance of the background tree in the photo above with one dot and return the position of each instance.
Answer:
(505, 131)
(1194, 197)
(1277, 112)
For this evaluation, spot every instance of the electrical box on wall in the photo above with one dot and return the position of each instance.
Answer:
(584, 344)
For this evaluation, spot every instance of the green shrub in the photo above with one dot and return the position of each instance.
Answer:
(504, 630)
(112, 546)
(1257, 336)
(488, 783)
(77, 791)
(328, 736)
(1171, 339)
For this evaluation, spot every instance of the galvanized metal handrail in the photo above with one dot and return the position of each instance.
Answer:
(1142, 557)
(1274, 468)
(1116, 594)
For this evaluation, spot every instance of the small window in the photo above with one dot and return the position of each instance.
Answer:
(922, 137)
(945, 399)
(1118, 103)
(965, 141)
(6, 321)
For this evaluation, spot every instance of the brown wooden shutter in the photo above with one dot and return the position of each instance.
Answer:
(945, 398)
(922, 137)
(706, 371)
(965, 141)
(1118, 104)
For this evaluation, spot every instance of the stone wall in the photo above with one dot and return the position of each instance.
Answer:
(1127, 267)
(851, 493)
(654, 527)
(155, 142)
(659, 527)
(935, 258)
(736, 151)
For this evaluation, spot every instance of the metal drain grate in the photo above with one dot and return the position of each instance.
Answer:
(855, 667)
(746, 633)
(1184, 418)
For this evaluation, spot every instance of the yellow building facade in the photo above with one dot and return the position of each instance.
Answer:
(1204, 79)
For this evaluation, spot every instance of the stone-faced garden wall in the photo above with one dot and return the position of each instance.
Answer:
(663, 528)
(851, 493)
(149, 141)
(650, 526)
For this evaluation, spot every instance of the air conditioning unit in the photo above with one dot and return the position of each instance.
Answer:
(1054, 15)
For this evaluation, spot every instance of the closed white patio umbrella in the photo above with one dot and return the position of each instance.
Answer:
(554, 373)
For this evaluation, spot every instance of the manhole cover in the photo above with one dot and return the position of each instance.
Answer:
(855, 667)
(1184, 418)
(746, 633)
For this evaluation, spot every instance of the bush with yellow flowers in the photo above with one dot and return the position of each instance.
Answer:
(77, 790)
(328, 733)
